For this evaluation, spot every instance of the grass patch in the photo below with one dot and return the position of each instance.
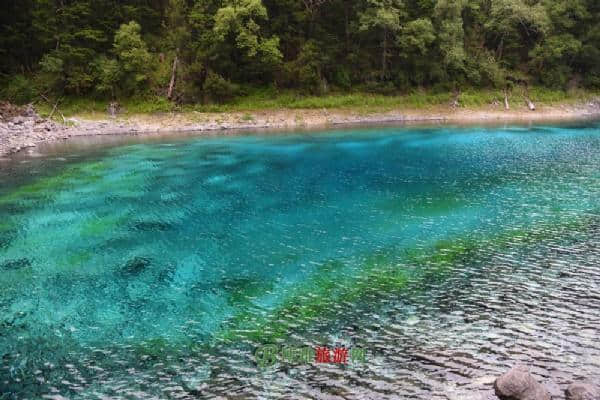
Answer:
(272, 99)
(93, 108)
(247, 117)
(473, 98)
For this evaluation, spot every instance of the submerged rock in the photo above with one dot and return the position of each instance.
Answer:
(582, 391)
(197, 380)
(152, 226)
(16, 264)
(6, 238)
(135, 266)
(519, 384)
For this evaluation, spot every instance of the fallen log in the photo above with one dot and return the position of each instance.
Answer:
(530, 104)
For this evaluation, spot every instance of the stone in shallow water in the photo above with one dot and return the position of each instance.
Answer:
(15, 264)
(582, 391)
(197, 380)
(484, 380)
(135, 266)
(519, 384)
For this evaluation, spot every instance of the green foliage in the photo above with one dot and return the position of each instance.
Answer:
(109, 74)
(384, 16)
(448, 14)
(218, 88)
(92, 48)
(250, 100)
(307, 71)
(19, 90)
(417, 36)
(342, 78)
(52, 71)
(133, 57)
(178, 33)
(238, 22)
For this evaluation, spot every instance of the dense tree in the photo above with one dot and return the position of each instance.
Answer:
(448, 15)
(384, 16)
(133, 57)
(239, 36)
(210, 50)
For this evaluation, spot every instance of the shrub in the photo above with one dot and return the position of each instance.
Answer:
(219, 89)
(19, 90)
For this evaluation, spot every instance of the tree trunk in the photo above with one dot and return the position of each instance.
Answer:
(455, 103)
(347, 29)
(384, 55)
(500, 49)
(506, 104)
(172, 83)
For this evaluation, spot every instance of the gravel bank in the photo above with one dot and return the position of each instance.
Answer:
(22, 127)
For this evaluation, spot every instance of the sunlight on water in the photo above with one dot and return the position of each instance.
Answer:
(156, 269)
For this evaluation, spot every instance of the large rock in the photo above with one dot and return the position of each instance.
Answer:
(519, 384)
(582, 391)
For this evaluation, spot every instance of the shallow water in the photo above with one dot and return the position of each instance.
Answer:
(156, 269)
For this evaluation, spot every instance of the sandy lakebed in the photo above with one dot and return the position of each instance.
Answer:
(28, 130)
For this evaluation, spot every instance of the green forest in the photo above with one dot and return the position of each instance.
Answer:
(203, 51)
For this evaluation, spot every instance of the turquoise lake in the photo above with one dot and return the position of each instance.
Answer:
(153, 269)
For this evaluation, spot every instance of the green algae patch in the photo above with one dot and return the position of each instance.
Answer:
(325, 292)
(437, 204)
(241, 291)
(430, 205)
(79, 258)
(383, 273)
(156, 348)
(47, 187)
(6, 227)
(101, 225)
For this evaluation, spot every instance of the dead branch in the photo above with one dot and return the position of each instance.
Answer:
(54, 108)
(173, 75)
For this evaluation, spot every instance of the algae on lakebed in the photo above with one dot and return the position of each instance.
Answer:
(332, 296)
(46, 187)
(387, 272)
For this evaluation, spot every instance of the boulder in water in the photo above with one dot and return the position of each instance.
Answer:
(519, 384)
(582, 391)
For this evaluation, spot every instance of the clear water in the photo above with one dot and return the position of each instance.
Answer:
(156, 269)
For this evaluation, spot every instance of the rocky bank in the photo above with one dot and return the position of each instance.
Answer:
(22, 127)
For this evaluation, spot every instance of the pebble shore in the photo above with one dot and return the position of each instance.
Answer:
(22, 128)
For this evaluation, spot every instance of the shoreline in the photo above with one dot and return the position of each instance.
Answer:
(28, 131)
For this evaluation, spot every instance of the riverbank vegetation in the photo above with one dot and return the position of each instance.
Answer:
(362, 102)
(231, 55)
